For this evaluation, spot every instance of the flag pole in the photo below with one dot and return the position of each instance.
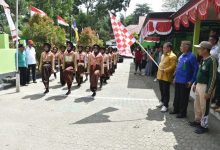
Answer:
(17, 70)
(147, 54)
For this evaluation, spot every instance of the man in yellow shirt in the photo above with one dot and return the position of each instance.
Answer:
(165, 74)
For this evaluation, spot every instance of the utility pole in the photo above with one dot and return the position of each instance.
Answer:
(17, 70)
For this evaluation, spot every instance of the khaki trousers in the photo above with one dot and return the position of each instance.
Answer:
(201, 105)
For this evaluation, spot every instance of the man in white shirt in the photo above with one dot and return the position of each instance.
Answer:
(31, 61)
(215, 47)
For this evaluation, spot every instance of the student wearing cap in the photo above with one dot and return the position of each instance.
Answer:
(95, 68)
(165, 75)
(81, 63)
(46, 65)
(204, 87)
(69, 65)
(185, 76)
(22, 64)
(31, 61)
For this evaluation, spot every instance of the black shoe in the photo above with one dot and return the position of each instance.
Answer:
(194, 124)
(34, 81)
(201, 130)
(68, 93)
(79, 85)
(181, 116)
(173, 112)
(93, 94)
(46, 91)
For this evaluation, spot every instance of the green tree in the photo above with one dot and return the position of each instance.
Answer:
(173, 5)
(88, 37)
(141, 10)
(42, 29)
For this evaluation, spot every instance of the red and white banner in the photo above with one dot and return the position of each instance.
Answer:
(61, 21)
(11, 23)
(199, 9)
(159, 26)
(3, 3)
(35, 10)
(122, 37)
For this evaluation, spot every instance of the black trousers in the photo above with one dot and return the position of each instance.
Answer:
(138, 65)
(165, 92)
(181, 98)
(217, 90)
(61, 77)
(31, 67)
(23, 75)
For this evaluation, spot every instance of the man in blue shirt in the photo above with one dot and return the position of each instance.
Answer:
(185, 76)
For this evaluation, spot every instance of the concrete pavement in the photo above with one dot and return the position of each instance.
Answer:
(122, 116)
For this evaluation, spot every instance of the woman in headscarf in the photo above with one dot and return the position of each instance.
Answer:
(69, 66)
(46, 65)
(56, 57)
(95, 68)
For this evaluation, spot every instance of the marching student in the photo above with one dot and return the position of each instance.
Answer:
(46, 65)
(95, 68)
(81, 62)
(61, 61)
(69, 66)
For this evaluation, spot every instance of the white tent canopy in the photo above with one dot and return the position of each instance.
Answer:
(3, 3)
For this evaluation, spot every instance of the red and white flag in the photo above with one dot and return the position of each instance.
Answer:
(122, 37)
(35, 10)
(61, 21)
(11, 23)
(3, 3)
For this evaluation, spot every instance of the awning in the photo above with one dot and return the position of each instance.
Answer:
(159, 26)
(152, 39)
(197, 9)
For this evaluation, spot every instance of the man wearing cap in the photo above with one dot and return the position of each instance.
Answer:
(204, 87)
(165, 74)
(185, 76)
(31, 61)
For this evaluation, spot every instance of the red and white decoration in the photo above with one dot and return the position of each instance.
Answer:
(159, 26)
(122, 37)
(152, 39)
(35, 10)
(61, 21)
(199, 9)
(11, 23)
(3, 3)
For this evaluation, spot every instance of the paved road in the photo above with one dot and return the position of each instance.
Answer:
(122, 117)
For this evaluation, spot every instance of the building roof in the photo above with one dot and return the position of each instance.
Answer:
(136, 28)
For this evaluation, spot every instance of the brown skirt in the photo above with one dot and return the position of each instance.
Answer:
(95, 72)
(68, 75)
(79, 74)
(46, 73)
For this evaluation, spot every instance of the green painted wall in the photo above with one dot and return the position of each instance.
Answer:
(7, 56)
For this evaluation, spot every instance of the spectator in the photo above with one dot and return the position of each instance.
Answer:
(204, 87)
(31, 61)
(215, 48)
(185, 76)
(157, 57)
(165, 73)
(22, 64)
(138, 59)
(148, 68)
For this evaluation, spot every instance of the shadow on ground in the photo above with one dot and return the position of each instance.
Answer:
(98, 117)
(87, 99)
(56, 98)
(34, 96)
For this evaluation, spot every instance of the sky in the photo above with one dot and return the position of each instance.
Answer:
(156, 5)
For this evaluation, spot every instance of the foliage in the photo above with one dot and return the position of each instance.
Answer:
(173, 5)
(88, 37)
(141, 10)
(42, 29)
